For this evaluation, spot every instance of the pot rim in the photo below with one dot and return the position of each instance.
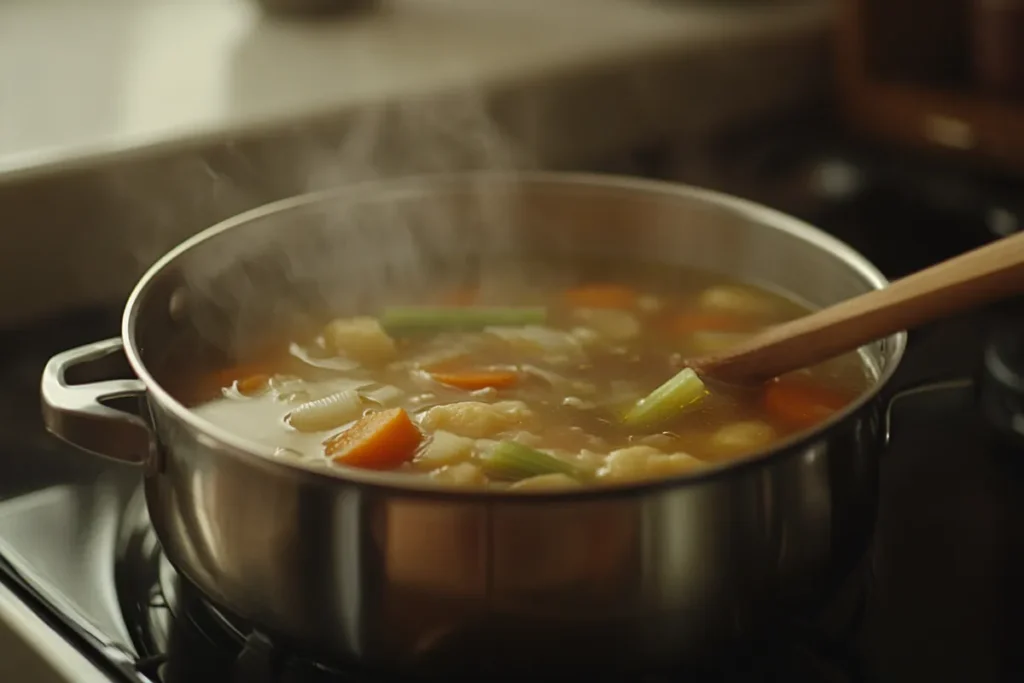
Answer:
(262, 456)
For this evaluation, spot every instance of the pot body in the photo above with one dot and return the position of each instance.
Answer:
(414, 581)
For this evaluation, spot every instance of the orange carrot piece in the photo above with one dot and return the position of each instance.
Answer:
(600, 296)
(688, 323)
(246, 378)
(477, 379)
(378, 441)
(253, 384)
(802, 404)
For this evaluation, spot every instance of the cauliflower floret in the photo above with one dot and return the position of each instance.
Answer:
(361, 339)
(645, 462)
(463, 474)
(445, 448)
(474, 419)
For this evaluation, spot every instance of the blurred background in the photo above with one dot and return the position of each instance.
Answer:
(128, 125)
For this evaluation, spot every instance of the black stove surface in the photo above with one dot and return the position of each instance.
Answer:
(938, 597)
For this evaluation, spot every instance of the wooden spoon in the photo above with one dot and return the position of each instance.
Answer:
(977, 277)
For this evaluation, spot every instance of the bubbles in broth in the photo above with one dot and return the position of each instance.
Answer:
(551, 381)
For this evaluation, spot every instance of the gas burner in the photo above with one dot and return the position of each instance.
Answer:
(182, 637)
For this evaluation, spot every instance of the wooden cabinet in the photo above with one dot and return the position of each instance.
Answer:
(945, 75)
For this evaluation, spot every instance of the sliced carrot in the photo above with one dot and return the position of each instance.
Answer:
(378, 441)
(249, 379)
(600, 296)
(253, 384)
(688, 323)
(802, 404)
(479, 379)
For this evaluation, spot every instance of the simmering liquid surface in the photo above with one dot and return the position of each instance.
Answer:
(536, 383)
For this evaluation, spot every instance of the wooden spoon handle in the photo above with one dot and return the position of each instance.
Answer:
(977, 277)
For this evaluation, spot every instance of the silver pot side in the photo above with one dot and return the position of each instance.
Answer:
(404, 580)
(440, 585)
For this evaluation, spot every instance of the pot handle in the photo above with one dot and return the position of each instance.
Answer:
(943, 388)
(80, 412)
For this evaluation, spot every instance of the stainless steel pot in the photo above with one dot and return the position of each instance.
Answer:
(350, 566)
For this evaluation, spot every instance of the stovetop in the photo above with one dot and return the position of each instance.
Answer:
(937, 598)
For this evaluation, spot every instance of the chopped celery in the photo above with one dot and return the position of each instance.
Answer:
(512, 460)
(668, 400)
(430, 318)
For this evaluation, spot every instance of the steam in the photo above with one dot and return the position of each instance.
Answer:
(381, 237)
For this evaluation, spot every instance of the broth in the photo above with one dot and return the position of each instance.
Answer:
(537, 383)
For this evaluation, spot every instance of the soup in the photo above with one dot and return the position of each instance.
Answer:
(534, 387)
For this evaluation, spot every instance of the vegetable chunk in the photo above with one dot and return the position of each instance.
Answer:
(516, 371)
(475, 419)
(381, 440)
(512, 460)
(362, 339)
(668, 400)
(645, 462)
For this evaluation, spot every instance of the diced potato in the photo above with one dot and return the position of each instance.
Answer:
(612, 324)
(462, 474)
(645, 462)
(474, 419)
(545, 482)
(749, 435)
(445, 448)
(362, 339)
(628, 463)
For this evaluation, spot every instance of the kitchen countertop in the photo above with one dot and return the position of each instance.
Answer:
(81, 81)
(127, 126)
